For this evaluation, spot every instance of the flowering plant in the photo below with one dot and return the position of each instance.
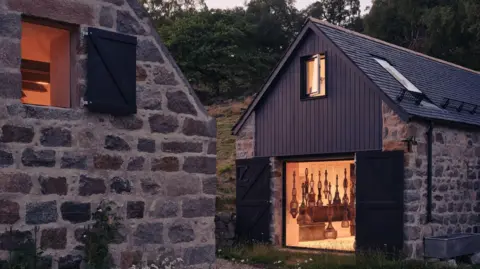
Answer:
(99, 235)
(166, 263)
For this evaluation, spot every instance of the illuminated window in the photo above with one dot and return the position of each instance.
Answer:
(320, 205)
(314, 76)
(45, 65)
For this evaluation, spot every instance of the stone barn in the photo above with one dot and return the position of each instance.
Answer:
(94, 108)
(355, 144)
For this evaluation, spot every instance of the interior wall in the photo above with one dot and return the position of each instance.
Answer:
(344, 241)
(36, 44)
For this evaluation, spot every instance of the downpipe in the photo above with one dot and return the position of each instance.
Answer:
(429, 171)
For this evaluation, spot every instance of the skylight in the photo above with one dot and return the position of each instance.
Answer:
(397, 75)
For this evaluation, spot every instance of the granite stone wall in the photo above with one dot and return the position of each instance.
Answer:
(456, 184)
(57, 165)
(245, 139)
(276, 202)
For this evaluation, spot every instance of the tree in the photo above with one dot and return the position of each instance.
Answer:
(216, 50)
(165, 9)
(447, 29)
(275, 23)
(344, 13)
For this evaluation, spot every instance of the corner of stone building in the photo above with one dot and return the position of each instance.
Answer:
(394, 132)
(159, 164)
(245, 139)
(276, 201)
(455, 178)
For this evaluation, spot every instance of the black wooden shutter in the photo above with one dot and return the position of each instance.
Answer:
(111, 72)
(253, 199)
(379, 201)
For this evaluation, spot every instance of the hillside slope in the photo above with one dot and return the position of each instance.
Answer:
(226, 114)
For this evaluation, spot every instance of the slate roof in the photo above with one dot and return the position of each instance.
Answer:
(437, 79)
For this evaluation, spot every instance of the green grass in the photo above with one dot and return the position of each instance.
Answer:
(269, 257)
(226, 115)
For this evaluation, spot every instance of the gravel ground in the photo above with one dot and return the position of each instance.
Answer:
(224, 264)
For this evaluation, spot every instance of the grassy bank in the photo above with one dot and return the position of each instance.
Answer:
(268, 257)
(226, 115)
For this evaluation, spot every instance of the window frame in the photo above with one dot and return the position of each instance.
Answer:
(303, 76)
(74, 32)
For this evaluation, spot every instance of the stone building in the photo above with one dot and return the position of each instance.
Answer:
(357, 144)
(93, 108)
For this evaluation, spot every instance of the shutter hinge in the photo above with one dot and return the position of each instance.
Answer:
(85, 102)
(84, 32)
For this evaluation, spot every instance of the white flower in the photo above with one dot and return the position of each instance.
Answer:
(310, 259)
(242, 261)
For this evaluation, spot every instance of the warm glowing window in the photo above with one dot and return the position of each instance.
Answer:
(320, 205)
(314, 76)
(45, 65)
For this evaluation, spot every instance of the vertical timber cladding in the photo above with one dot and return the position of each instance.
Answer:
(347, 120)
(379, 201)
(253, 199)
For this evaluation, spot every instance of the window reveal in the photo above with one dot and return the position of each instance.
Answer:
(314, 75)
(45, 65)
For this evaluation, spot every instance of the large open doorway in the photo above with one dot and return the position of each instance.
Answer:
(320, 205)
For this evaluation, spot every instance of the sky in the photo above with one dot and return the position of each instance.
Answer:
(300, 3)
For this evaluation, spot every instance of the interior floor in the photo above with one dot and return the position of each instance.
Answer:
(342, 244)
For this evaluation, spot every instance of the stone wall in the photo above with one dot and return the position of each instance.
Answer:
(158, 166)
(245, 139)
(276, 187)
(455, 180)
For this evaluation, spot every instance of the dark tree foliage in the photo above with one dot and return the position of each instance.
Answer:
(447, 29)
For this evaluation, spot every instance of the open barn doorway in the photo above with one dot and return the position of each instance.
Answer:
(320, 205)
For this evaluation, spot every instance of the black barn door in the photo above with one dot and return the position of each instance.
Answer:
(253, 199)
(379, 201)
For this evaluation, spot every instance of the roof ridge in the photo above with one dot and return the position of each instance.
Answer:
(315, 20)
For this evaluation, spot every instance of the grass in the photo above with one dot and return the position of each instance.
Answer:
(265, 256)
(226, 115)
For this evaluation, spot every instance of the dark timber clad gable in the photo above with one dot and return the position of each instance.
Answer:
(348, 120)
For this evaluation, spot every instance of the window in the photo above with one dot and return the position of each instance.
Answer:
(320, 205)
(314, 76)
(45, 65)
(398, 76)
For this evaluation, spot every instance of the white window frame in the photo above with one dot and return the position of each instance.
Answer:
(317, 76)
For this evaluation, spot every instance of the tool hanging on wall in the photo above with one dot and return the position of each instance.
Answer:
(330, 232)
(319, 198)
(294, 202)
(345, 221)
(311, 195)
(337, 200)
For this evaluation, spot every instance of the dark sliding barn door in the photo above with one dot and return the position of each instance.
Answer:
(253, 199)
(379, 201)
